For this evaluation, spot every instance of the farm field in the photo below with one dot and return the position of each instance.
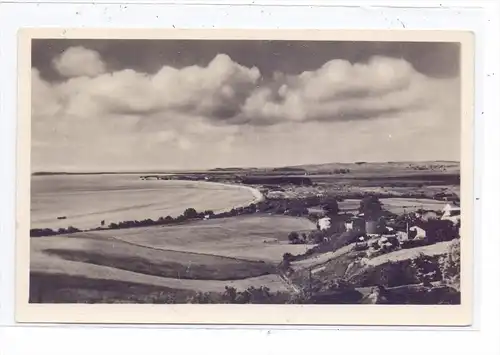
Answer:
(202, 256)
(255, 237)
(163, 263)
(398, 205)
(52, 264)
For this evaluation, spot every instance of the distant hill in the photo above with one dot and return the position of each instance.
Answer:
(379, 167)
(448, 167)
(228, 169)
(290, 169)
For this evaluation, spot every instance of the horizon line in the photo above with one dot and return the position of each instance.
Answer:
(159, 170)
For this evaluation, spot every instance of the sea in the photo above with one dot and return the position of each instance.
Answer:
(84, 201)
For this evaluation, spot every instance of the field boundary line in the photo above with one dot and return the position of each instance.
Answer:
(180, 251)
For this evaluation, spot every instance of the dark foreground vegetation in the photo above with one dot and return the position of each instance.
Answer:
(46, 288)
(422, 279)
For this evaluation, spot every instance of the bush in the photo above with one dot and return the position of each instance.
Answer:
(288, 257)
(331, 206)
(361, 246)
(317, 237)
(113, 226)
(414, 243)
(450, 265)
(390, 274)
(201, 298)
(72, 229)
(37, 232)
(370, 206)
(190, 213)
(293, 237)
(426, 268)
(338, 284)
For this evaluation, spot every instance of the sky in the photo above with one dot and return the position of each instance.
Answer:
(111, 105)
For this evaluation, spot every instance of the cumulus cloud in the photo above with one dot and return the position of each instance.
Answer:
(340, 90)
(229, 93)
(226, 113)
(79, 61)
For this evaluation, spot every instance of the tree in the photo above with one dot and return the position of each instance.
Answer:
(190, 213)
(72, 229)
(450, 265)
(371, 207)
(293, 237)
(317, 236)
(426, 268)
(331, 206)
(230, 294)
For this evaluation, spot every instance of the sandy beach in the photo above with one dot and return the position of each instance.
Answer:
(85, 201)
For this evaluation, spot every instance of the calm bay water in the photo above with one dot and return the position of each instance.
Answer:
(86, 200)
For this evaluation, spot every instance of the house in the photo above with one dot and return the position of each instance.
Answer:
(451, 212)
(388, 242)
(402, 236)
(426, 215)
(433, 231)
(355, 224)
(417, 233)
(450, 209)
(324, 223)
(371, 227)
(375, 227)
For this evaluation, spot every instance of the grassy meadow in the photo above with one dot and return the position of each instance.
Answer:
(201, 256)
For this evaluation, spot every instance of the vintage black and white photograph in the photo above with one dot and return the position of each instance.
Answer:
(245, 171)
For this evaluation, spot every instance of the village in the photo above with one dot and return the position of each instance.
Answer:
(373, 250)
(376, 229)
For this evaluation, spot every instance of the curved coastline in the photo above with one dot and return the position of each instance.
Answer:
(256, 196)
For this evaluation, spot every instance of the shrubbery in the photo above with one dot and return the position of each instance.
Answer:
(450, 265)
(44, 232)
(426, 269)
(260, 295)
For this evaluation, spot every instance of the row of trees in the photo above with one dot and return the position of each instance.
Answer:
(313, 237)
(296, 207)
(189, 213)
(42, 232)
(255, 295)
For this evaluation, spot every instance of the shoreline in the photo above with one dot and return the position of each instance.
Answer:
(257, 197)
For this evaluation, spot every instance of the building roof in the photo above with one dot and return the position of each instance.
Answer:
(451, 207)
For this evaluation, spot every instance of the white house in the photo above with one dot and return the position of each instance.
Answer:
(355, 224)
(450, 210)
(417, 232)
(402, 236)
(426, 216)
(451, 213)
(324, 223)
